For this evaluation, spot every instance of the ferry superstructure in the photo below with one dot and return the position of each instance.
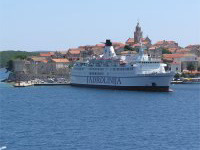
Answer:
(109, 71)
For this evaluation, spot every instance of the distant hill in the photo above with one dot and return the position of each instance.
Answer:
(5, 56)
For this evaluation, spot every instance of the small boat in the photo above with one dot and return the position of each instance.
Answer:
(177, 82)
(22, 84)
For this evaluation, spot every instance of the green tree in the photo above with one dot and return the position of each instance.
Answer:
(177, 76)
(128, 48)
(9, 65)
(166, 51)
(191, 67)
(20, 57)
(5, 56)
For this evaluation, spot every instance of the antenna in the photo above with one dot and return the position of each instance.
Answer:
(138, 21)
(141, 47)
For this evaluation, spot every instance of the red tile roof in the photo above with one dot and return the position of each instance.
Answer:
(153, 47)
(173, 55)
(183, 51)
(52, 53)
(172, 49)
(145, 43)
(164, 42)
(118, 44)
(130, 40)
(64, 60)
(136, 44)
(37, 58)
(74, 51)
(45, 61)
(100, 45)
(48, 54)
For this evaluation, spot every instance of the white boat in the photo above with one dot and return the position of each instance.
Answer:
(22, 84)
(109, 71)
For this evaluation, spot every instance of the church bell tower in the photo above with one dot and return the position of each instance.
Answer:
(137, 34)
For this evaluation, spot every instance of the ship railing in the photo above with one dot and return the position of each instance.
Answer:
(154, 59)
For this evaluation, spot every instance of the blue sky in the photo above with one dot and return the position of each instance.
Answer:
(34, 25)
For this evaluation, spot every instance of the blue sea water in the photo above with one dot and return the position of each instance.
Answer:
(73, 118)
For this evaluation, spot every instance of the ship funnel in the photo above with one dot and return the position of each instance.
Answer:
(109, 51)
(108, 43)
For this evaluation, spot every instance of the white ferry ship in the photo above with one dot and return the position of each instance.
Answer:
(109, 71)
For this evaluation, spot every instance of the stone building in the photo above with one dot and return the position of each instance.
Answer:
(167, 44)
(180, 62)
(155, 52)
(19, 65)
(61, 54)
(74, 54)
(138, 37)
(59, 66)
(194, 49)
(137, 34)
(40, 67)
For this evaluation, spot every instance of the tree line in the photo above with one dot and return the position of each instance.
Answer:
(6, 57)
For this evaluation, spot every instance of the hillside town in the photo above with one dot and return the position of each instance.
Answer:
(56, 65)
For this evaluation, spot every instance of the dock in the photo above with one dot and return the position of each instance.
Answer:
(176, 82)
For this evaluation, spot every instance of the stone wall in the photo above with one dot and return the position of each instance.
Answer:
(26, 70)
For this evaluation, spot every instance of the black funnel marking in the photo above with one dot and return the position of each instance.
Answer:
(108, 43)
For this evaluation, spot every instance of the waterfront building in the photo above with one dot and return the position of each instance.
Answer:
(40, 67)
(60, 63)
(58, 66)
(180, 62)
(74, 54)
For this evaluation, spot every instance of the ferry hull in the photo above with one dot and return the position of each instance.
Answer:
(151, 82)
(133, 88)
